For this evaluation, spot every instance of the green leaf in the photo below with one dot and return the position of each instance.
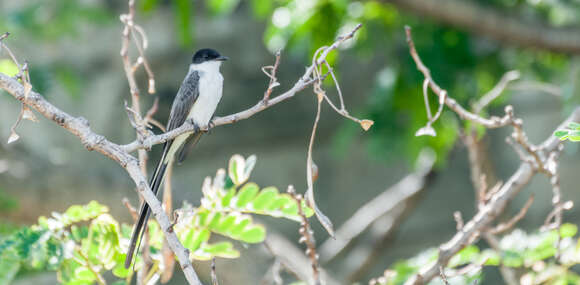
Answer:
(255, 234)
(280, 202)
(184, 11)
(243, 222)
(215, 220)
(266, 197)
(575, 137)
(226, 224)
(561, 133)
(222, 6)
(568, 230)
(200, 237)
(228, 197)
(291, 209)
(236, 169)
(222, 249)
(261, 8)
(491, 257)
(8, 67)
(512, 258)
(246, 194)
(574, 126)
(119, 270)
(84, 274)
(9, 266)
(149, 5)
(464, 256)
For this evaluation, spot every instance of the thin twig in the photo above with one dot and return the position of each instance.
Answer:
(131, 209)
(496, 90)
(503, 227)
(272, 75)
(493, 122)
(307, 236)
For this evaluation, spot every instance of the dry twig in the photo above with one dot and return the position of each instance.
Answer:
(307, 236)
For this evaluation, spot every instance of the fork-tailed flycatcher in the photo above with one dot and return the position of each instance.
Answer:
(196, 100)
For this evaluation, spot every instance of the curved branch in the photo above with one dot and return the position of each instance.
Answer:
(79, 127)
(467, 15)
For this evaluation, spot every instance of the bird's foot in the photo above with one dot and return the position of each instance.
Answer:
(210, 126)
(196, 127)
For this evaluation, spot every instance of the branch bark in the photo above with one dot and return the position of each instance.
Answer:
(472, 17)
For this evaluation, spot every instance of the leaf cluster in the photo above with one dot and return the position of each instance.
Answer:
(533, 256)
(85, 241)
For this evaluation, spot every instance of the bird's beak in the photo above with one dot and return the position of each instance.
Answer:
(222, 58)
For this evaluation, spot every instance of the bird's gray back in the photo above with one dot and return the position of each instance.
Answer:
(184, 100)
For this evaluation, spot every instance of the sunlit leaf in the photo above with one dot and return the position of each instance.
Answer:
(246, 194)
(568, 230)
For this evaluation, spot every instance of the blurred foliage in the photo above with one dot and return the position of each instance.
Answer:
(86, 241)
(50, 22)
(7, 203)
(572, 133)
(533, 256)
(466, 65)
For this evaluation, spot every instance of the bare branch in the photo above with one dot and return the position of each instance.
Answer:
(473, 17)
(496, 90)
(493, 122)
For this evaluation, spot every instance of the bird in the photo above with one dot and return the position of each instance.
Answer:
(196, 101)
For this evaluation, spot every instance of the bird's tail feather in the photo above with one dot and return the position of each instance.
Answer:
(140, 226)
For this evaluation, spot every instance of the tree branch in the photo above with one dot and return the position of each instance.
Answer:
(79, 127)
(472, 17)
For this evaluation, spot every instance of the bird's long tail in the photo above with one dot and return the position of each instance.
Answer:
(141, 224)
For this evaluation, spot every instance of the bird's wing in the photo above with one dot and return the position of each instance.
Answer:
(186, 97)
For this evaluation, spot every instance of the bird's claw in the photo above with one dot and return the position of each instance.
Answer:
(196, 127)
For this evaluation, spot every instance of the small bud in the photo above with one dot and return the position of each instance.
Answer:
(13, 137)
(366, 124)
(320, 96)
(28, 115)
(426, 131)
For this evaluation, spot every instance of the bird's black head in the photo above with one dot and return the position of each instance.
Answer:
(207, 54)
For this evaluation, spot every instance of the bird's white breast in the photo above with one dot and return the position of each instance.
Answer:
(210, 92)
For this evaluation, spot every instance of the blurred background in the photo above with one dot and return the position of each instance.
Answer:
(73, 52)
